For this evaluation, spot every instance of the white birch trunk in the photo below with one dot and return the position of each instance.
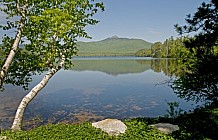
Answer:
(17, 124)
(8, 61)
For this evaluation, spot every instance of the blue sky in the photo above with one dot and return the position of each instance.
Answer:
(151, 20)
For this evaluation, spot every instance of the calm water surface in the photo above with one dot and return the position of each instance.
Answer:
(97, 88)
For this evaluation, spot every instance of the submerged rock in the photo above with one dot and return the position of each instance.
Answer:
(166, 128)
(111, 126)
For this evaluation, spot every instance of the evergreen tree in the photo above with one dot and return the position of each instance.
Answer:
(205, 22)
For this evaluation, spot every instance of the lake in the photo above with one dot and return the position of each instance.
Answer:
(97, 88)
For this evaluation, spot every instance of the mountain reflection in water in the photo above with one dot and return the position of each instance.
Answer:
(95, 89)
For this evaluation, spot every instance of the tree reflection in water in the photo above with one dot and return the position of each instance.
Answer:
(200, 82)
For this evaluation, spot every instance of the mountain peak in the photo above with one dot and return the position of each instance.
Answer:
(114, 36)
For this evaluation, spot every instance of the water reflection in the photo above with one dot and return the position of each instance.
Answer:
(97, 89)
(169, 67)
(200, 83)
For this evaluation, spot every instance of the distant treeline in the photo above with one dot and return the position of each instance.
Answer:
(170, 48)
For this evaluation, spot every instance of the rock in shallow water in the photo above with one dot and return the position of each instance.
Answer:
(111, 126)
(166, 128)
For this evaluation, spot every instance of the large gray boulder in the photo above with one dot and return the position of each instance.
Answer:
(166, 128)
(111, 126)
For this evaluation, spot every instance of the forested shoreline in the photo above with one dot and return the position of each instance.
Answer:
(41, 37)
(170, 48)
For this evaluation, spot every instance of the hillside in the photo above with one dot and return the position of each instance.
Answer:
(112, 46)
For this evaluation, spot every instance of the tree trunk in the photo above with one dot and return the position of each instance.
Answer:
(17, 124)
(8, 61)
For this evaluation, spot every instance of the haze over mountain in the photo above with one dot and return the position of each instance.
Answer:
(112, 46)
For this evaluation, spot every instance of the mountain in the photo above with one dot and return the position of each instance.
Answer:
(112, 46)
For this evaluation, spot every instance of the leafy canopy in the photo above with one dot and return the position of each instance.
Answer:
(205, 23)
(49, 35)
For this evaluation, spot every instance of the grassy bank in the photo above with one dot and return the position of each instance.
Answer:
(136, 130)
(200, 124)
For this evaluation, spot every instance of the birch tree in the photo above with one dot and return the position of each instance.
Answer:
(52, 31)
(12, 8)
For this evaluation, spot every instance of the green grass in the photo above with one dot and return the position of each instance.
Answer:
(201, 124)
(112, 47)
(137, 130)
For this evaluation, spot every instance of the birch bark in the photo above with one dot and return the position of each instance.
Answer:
(17, 123)
(10, 57)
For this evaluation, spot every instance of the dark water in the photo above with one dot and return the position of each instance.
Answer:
(97, 88)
